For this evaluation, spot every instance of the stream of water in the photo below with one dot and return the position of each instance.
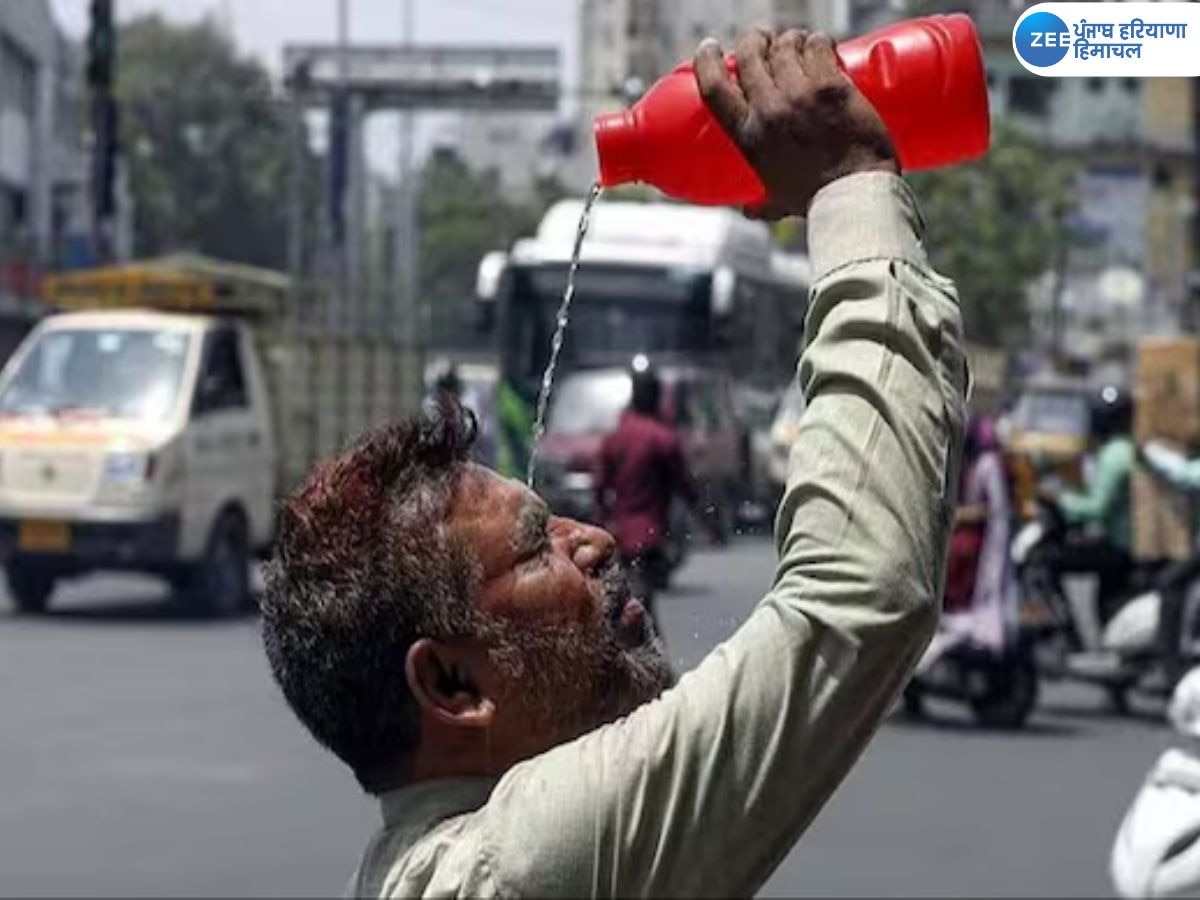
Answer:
(560, 331)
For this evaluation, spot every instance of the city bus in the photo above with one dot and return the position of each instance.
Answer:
(677, 284)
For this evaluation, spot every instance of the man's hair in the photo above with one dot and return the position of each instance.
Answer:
(365, 566)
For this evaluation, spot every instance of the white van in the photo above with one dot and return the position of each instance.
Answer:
(135, 440)
(159, 442)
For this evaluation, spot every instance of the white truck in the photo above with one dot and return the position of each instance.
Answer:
(153, 426)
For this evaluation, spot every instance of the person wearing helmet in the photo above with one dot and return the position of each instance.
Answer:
(1157, 849)
(641, 470)
(1102, 510)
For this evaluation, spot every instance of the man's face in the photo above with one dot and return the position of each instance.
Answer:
(572, 648)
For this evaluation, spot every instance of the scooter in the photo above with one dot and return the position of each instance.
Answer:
(979, 658)
(1157, 849)
(1070, 642)
(1001, 690)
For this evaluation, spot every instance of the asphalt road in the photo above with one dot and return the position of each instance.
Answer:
(145, 754)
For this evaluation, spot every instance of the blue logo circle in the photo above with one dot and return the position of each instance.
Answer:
(1042, 39)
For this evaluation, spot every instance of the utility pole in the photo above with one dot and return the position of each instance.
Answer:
(404, 302)
(101, 70)
(339, 165)
(404, 78)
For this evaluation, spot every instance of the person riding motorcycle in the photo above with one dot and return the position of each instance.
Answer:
(1102, 511)
(640, 470)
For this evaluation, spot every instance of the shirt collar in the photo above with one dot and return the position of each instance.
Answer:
(430, 802)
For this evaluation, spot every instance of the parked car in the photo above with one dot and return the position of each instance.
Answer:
(783, 435)
(756, 411)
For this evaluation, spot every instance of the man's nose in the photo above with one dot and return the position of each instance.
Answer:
(590, 547)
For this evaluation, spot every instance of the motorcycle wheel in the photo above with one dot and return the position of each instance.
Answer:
(1011, 696)
(1118, 699)
(913, 703)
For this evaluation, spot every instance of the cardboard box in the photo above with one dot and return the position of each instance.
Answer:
(1162, 520)
(1167, 397)
(1167, 391)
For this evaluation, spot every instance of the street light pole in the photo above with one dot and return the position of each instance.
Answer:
(408, 326)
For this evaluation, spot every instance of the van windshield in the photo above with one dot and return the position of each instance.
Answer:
(114, 373)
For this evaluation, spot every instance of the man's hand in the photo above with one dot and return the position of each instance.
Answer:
(794, 115)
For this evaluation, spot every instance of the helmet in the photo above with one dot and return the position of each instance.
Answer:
(1157, 850)
(1112, 411)
(646, 390)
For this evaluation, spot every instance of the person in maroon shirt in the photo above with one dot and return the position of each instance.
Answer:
(641, 469)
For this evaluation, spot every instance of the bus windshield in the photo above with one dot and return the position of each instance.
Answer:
(115, 373)
(617, 313)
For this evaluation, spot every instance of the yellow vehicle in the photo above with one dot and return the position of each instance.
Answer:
(1047, 434)
(153, 421)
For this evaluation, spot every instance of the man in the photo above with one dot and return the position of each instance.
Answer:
(448, 384)
(480, 664)
(1104, 506)
(641, 470)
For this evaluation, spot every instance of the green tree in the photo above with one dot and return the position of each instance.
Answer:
(463, 214)
(996, 225)
(205, 140)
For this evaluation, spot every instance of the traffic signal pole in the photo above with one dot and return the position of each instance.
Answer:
(101, 69)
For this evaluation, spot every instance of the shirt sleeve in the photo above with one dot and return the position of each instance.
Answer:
(1174, 468)
(703, 791)
(1105, 489)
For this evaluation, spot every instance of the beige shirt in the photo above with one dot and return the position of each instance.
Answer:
(703, 791)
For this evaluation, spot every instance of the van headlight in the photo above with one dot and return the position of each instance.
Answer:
(128, 468)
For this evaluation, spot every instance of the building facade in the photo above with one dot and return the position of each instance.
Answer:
(43, 170)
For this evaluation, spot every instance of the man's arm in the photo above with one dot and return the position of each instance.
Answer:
(703, 791)
(1105, 489)
(1175, 469)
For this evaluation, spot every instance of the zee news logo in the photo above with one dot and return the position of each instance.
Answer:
(1042, 39)
(1134, 39)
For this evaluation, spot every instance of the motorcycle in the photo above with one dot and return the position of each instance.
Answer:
(978, 657)
(1157, 849)
(1000, 689)
(1069, 639)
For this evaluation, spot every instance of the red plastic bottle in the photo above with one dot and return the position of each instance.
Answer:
(924, 77)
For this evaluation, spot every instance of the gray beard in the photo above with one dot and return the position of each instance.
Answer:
(573, 680)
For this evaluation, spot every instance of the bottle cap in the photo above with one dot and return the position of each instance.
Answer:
(617, 147)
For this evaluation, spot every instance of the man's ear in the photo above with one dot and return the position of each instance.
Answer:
(445, 682)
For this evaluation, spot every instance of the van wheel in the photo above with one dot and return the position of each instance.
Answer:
(220, 582)
(30, 586)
